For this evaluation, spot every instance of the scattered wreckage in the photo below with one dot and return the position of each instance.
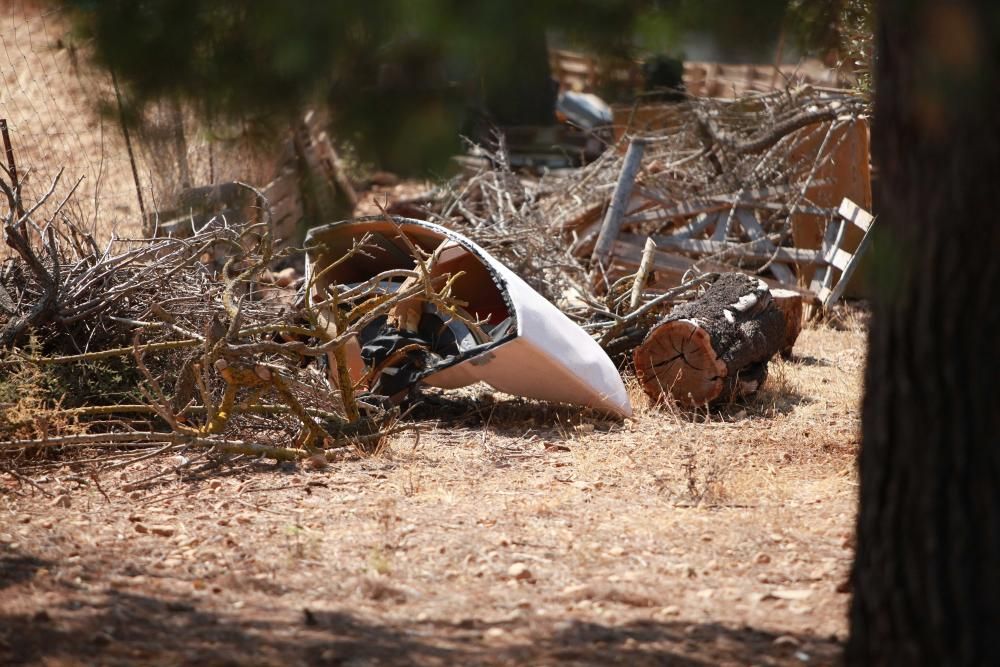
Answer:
(687, 254)
(507, 335)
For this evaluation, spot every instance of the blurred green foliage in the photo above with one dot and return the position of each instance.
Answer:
(402, 77)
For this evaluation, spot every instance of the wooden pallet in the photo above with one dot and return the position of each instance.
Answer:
(720, 233)
(833, 275)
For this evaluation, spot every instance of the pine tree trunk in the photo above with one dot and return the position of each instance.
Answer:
(926, 578)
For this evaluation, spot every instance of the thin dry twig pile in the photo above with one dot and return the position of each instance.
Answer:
(221, 359)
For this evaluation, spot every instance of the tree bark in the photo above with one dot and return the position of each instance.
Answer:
(789, 303)
(715, 347)
(926, 577)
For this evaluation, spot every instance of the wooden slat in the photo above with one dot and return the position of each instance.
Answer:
(823, 284)
(720, 203)
(700, 223)
(631, 255)
(722, 226)
(760, 250)
(755, 231)
(839, 258)
(688, 208)
(854, 213)
(849, 269)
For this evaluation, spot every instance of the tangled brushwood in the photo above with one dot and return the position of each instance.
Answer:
(188, 344)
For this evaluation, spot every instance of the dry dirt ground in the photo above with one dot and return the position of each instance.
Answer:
(511, 532)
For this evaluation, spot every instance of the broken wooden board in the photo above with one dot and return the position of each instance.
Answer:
(826, 284)
(673, 266)
(757, 251)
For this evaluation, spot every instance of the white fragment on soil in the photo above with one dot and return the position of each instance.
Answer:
(790, 593)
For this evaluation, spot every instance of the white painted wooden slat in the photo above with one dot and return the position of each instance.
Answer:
(855, 214)
(839, 258)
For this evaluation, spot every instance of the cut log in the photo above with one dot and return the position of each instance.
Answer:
(714, 348)
(790, 305)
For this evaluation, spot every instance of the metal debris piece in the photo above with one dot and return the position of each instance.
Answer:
(508, 336)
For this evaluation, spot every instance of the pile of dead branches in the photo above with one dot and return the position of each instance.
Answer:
(716, 186)
(503, 212)
(221, 359)
(711, 156)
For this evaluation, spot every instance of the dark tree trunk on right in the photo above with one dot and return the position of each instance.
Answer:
(926, 579)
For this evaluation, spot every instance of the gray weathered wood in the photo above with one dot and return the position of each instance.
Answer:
(755, 231)
(725, 218)
(630, 254)
(822, 280)
(640, 276)
(750, 198)
(615, 216)
(757, 250)
(856, 215)
(700, 223)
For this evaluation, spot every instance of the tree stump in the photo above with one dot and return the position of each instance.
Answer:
(789, 303)
(715, 347)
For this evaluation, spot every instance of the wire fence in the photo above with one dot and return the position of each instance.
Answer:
(62, 112)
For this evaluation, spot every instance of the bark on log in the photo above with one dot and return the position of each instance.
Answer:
(714, 348)
(790, 305)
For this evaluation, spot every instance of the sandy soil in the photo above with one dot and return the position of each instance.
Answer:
(511, 532)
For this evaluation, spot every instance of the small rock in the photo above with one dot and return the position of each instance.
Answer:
(786, 640)
(494, 633)
(519, 571)
(671, 610)
(162, 531)
(317, 462)
(762, 558)
(791, 593)
(616, 551)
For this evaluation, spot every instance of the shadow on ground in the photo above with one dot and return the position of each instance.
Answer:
(119, 628)
(506, 415)
(131, 629)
